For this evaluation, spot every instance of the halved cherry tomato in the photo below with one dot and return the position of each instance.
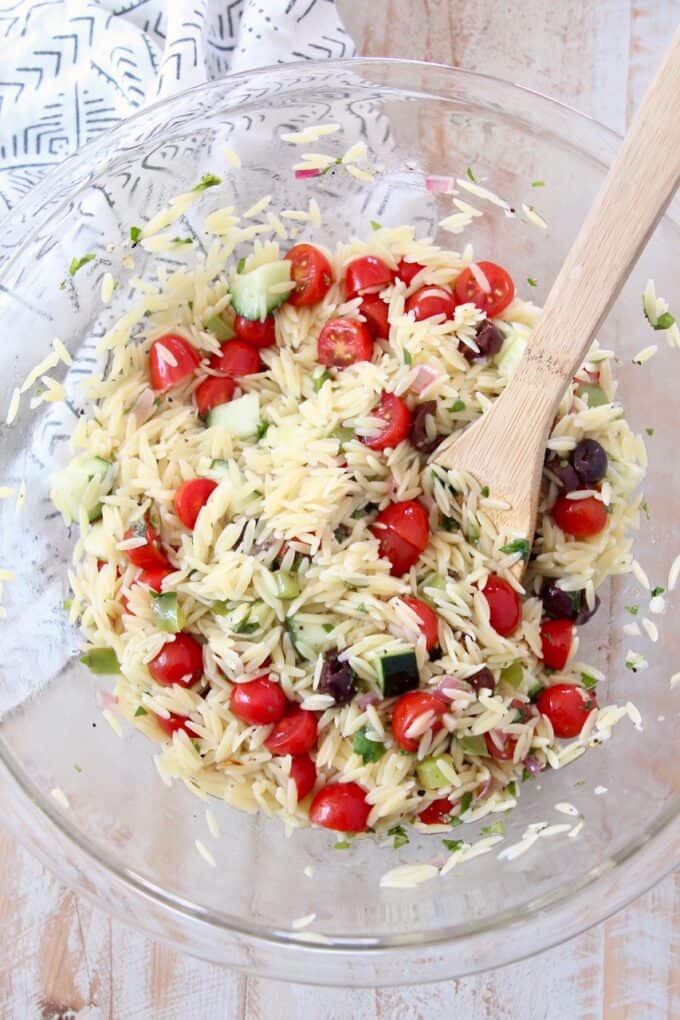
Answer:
(505, 608)
(303, 774)
(255, 332)
(437, 813)
(191, 497)
(165, 374)
(294, 734)
(404, 534)
(402, 555)
(502, 747)
(343, 342)
(154, 577)
(407, 270)
(212, 392)
(147, 556)
(409, 708)
(236, 358)
(397, 417)
(179, 662)
(374, 310)
(556, 638)
(429, 621)
(581, 518)
(367, 275)
(258, 702)
(429, 301)
(501, 288)
(311, 271)
(175, 723)
(567, 706)
(341, 807)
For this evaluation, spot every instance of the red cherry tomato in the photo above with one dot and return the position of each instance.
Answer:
(409, 708)
(429, 621)
(429, 301)
(581, 518)
(374, 310)
(213, 391)
(505, 608)
(154, 577)
(367, 275)
(255, 332)
(567, 706)
(312, 274)
(258, 702)
(402, 555)
(343, 342)
(556, 638)
(175, 723)
(404, 534)
(503, 747)
(303, 774)
(397, 417)
(191, 497)
(437, 813)
(493, 301)
(341, 807)
(407, 270)
(236, 358)
(294, 734)
(178, 662)
(149, 556)
(165, 374)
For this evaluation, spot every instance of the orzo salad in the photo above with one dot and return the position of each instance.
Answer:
(306, 614)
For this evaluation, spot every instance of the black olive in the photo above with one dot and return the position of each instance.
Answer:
(564, 474)
(489, 339)
(483, 678)
(585, 613)
(558, 604)
(337, 679)
(419, 436)
(589, 461)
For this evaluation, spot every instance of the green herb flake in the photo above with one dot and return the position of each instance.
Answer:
(495, 829)
(246, 627)
(240, 265)
(408, 358)
(342, 844)
(182, 240)
(207, 181)
(512, 789)
(449, 524)
(470, 175)
(135, 235)
(650, 432)
(368, 750)
(67, 603)
(538, 184)
(517, 545)
(526, 775)
(633, 610)
(465, 802)
(588, 681)
(262, 428)
(140, 711)
(452, 844)
(472, 535)
(328, 627)
(485, 491)
(375, 225)
(644, 506)
(665, 321)
(458, 405)
(531, 281)
(318, 382)
(77, 264)
(400, 836)
(77, 767)
(658, 590)
(196, 746)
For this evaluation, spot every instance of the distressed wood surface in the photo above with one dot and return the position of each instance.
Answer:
(60, 957)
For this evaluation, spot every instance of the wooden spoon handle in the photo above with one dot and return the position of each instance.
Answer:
(635, 194)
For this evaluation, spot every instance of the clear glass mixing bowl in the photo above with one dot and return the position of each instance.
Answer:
(128, 840)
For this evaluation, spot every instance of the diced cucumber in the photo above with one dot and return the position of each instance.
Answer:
(398, 673)
(82, 483)
(431, 581)
(102, 661)
(167, 612)
(513, 674)
(100, 544)
(511, 353)
(593, 393)
(221, 329)
(240, 417)
(475, 745)
(287, 585)
(369, 750)
(430, 775)
(251, 293)
(308, 635)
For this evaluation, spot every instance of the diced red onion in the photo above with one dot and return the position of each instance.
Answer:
(424, 378)
(438, 185)
(302, 175)
(370, 698)
(532, 765)
(447, 685)
(583, 375)
(105, 699)
(481, 793)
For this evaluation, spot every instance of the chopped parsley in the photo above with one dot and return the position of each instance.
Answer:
(472, 535)
(207, 181)
(658, 590)
(449, 524)
(408, 358)
(77, 767)
(240, 265)
(400, 836)
(531, 281)
(633, 610)
(517, 545)
(342, 844)
(246, 627)
(452, 844)
(328, 627)
(485, 491)
(135, 235)
(650, 432)
(375, 225)
(262, 428)
(67, 603)
(644, 506)
(318, 382)
(526, 775)
(495, 829)
(141, 711)
(538, 184)
(470, 176)
(196, 746)
(512, 788)
(588, 681)
(368, 750)
(458, 405)
(465, 802)
(182, 240)
(77, 264)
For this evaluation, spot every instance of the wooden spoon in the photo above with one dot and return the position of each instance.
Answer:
(505, 448)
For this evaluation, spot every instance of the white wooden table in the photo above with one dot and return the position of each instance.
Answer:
(61, 958)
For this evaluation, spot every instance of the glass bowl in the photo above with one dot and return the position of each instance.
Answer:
(126, 839)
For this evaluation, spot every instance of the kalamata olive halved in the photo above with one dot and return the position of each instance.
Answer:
(558, 604)
(483, 678)
(585, 613)
(488, 338)
(589, 461)
(337, 679)
(564, 475)
(419, 436)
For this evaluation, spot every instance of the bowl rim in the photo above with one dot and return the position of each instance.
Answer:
(342, 946)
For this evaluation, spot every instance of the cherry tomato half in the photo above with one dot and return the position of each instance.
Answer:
(493, 301)
(581, 518)
(407, 270)
(294, 734)
(213, 391)
(303, 774)
(429, 621)
(149, 556)
(409, 708)
(567, 706)
(154, 577)
(236, 358)
(184, 360)
(191, 497)
(505, 608)
(500, 745)
(258, 702)
(437, 813)
(556, 638)
(429, 301)
(375, 310)
(179, 662)
(343, 342)
(341, 807)
(367, 275)
(397, 417)
(404, 534)
(312, 274)
(175, 723)
(255, 332)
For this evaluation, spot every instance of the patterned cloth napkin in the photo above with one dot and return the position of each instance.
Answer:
(70, 69)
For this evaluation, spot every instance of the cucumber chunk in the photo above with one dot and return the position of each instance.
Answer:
(82, 483)
(430, 775)
(251, 293)
(398, 673)
(309, 635)
(240, 417)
